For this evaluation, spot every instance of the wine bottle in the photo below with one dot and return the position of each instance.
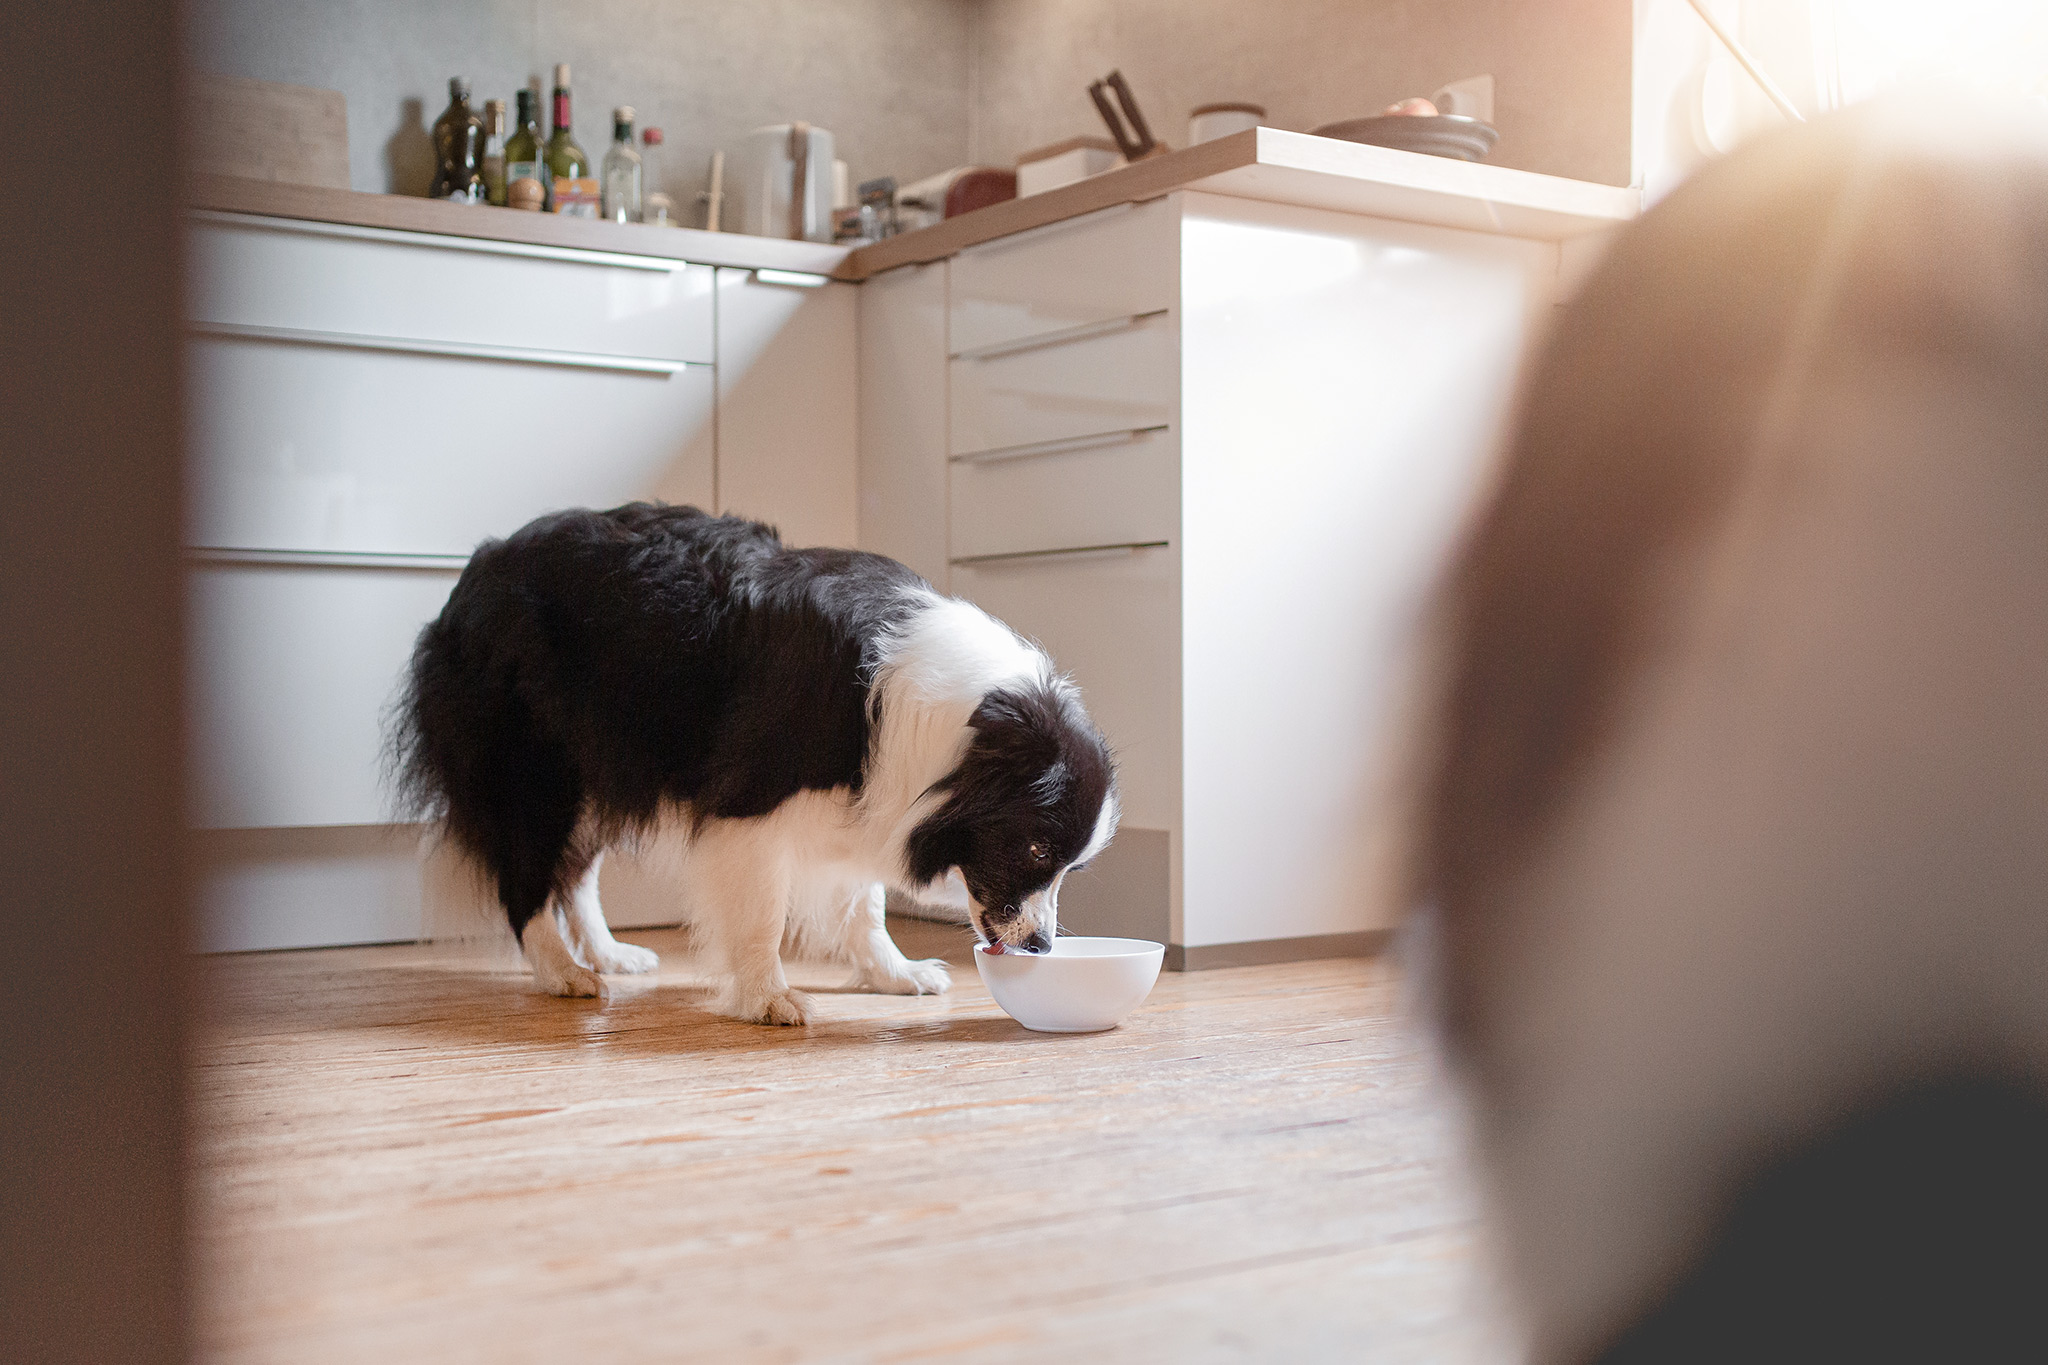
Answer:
(575, 190)
(494, 151)
(526, 171)
(622, 170)
(458, 149)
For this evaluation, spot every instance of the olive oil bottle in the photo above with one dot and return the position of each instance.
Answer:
(459, 149)
(575, 190)
(526, 170)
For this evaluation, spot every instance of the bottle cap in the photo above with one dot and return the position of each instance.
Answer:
(652, 137)
(458, 88)
(562, 75)
(623, 114)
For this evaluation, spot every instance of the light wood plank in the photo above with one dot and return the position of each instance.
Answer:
(406, 1153)
(266, 131)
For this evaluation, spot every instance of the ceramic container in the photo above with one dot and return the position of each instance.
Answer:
(1083, 985)
(1212, 121)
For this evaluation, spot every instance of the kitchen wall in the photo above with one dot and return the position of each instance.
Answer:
(888, 77)
(1561, 67)
(909, 87)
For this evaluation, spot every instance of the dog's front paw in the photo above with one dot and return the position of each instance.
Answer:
(928, 977)
(625, 958)
(772, 1007)
(568, 979)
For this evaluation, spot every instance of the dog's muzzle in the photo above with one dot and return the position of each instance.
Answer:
(1028, 928)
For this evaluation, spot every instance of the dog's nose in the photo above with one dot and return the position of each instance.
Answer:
(1039, 942)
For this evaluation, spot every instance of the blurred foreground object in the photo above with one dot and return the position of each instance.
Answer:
(1736, 831)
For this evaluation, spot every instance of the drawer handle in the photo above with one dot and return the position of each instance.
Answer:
(516, 355)
(1060, 447)
(1128, 547)
(482, 245)
(1065, 334)
(324, 559)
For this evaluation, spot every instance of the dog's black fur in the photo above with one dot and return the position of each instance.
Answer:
(595, 669)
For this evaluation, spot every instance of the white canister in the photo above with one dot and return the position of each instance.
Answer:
(785, 182)
(1212, 121)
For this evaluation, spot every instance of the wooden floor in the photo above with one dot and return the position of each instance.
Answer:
(406, 1154)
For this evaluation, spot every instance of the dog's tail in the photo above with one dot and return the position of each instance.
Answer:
(444, 730)
(417, 758)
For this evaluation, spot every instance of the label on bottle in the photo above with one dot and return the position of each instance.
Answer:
(577, 196)
(526, 185)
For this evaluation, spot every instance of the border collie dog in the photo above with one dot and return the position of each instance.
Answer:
(822, 725)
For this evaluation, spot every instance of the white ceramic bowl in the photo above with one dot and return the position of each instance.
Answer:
(1082, 986)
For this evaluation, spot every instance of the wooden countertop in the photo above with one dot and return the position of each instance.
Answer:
(407, 213)
(1264, 163)
(1292, 168)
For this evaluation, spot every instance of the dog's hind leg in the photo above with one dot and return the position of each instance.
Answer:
(743, 898)
(879, 965)
(546, 946)
(592, 938)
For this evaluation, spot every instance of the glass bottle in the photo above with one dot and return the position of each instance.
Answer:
(622, 170)
(574, 190)
(458, 149)
(494, 151)
(526, 171)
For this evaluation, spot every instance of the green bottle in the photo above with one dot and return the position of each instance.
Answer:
(575, 188)
(526, 172)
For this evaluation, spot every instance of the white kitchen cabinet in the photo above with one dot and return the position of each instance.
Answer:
(1122, 489)
(788, 397)
(902, 432)
(1098, 269)
(378, 452)
(363, 284)
(292, 667)
(368, 405)
(1212, 452)
(1111, 379)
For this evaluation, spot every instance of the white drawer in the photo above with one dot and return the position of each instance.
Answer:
(1111, 620)
(291, 669)
(1116, 263)
(1117, 380)
(1119, 490)
(327, 279)
(306, 447)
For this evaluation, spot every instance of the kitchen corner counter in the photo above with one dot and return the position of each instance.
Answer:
(406, 213)
(1292, 168)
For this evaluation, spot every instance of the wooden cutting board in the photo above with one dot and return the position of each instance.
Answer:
(262, 130)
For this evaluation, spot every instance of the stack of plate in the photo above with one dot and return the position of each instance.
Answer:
(1453, 135)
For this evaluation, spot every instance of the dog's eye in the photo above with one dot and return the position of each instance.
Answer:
(1040, 853)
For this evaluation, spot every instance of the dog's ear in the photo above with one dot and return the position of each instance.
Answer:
(941, 842)
(1016, 730)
